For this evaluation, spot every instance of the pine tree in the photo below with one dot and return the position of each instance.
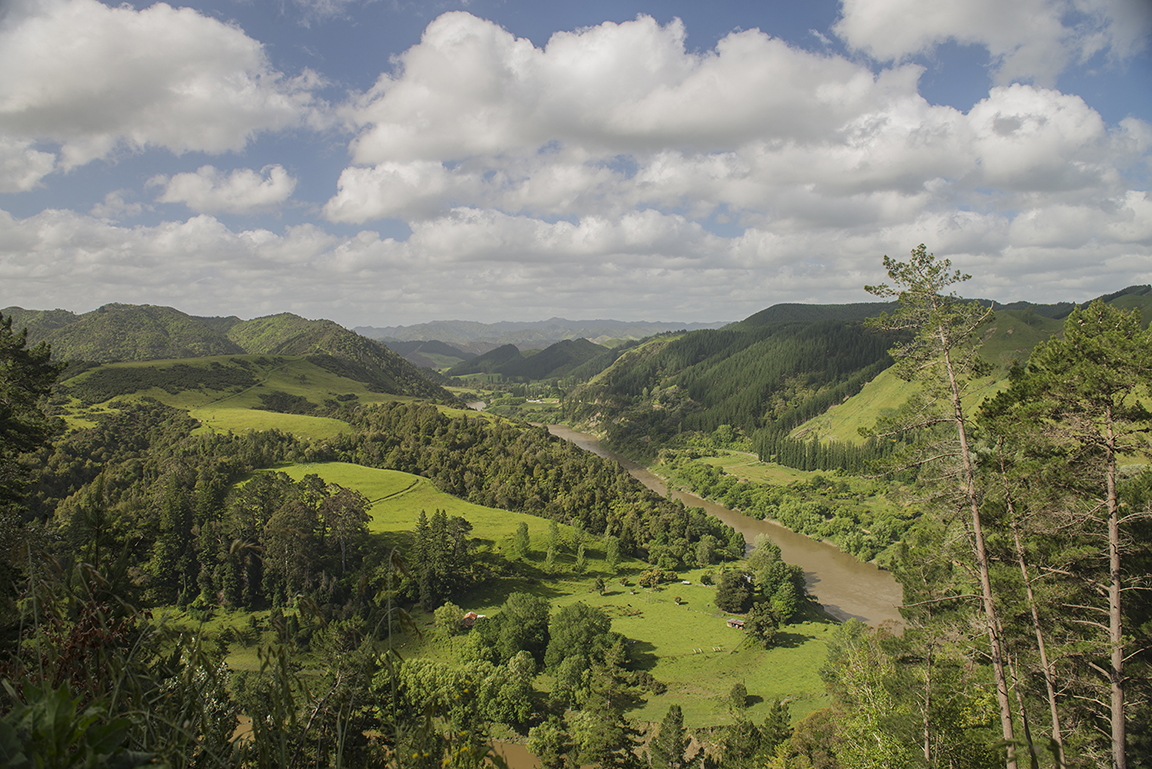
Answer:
(670, 746)
(1079, 397)
(941, 356)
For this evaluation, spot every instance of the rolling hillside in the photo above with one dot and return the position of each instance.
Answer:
(429, 354)
(336, 349)
(790, 371)
(121, 332)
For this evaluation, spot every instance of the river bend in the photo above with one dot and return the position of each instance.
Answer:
(844, 585)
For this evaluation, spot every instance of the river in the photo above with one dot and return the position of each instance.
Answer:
(844, 585)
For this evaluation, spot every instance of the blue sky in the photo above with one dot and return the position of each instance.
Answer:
(379, 162)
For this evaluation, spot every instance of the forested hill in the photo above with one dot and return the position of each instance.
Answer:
(123, 332)
(773, 371)
(118, 332)
(751, 377)
(335, 348)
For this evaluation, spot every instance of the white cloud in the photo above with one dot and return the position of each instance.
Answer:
(471, 89)
(1037, 139)
(93, 78)
(621, 118)
(1027, 40)
(21, 166)
(243, 191)
(114, 207)
(611, 172)
(622, 115)
(486, 265)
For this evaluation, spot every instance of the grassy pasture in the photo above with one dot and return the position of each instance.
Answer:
(238, 420)
(885, 393)
(666, 635)
(1011, 336)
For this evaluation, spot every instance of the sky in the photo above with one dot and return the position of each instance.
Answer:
(384, 162)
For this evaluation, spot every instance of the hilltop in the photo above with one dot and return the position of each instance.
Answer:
(124, 332)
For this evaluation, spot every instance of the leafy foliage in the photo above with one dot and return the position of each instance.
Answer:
(26, 376)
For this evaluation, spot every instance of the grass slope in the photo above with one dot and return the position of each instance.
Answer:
(1010, 337)
(336, 348)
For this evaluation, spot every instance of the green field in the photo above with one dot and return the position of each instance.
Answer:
(666, 636)
(747, 467)
(886, 392)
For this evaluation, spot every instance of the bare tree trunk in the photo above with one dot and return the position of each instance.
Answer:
(1046, 669)
(1115, 618)
(981, 554)
(1024, 722)
(928, 710)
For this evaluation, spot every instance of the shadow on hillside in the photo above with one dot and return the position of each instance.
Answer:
(813, 611)
(785, 640)
(642, 655)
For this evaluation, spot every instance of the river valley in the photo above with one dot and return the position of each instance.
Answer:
(845, 586)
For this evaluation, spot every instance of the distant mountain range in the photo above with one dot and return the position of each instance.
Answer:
(479, 338)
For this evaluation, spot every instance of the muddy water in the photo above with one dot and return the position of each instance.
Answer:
(845, 586)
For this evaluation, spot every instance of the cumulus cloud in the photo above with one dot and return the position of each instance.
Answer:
(470, 88)
(115, 207)
(93, 78)
(621, 117)
(612, 170)
(1027, 40)
(243, 191)
(21, 165)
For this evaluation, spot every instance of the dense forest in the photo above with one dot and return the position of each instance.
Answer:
(762, 379)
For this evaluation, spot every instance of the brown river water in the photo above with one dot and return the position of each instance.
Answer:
(844, 586)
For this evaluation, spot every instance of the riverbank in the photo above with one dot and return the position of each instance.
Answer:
(845, 586)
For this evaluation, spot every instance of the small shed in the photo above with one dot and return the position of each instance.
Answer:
(469, 619)
(736, 623)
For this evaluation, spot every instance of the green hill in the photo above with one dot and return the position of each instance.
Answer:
(124, 332)
(1134, 298)
(488, 363)
(811, 313)
(790, 371)
(233, 392)
(428, 354)
(752, 377)
(1010, 337)
(335, 348)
